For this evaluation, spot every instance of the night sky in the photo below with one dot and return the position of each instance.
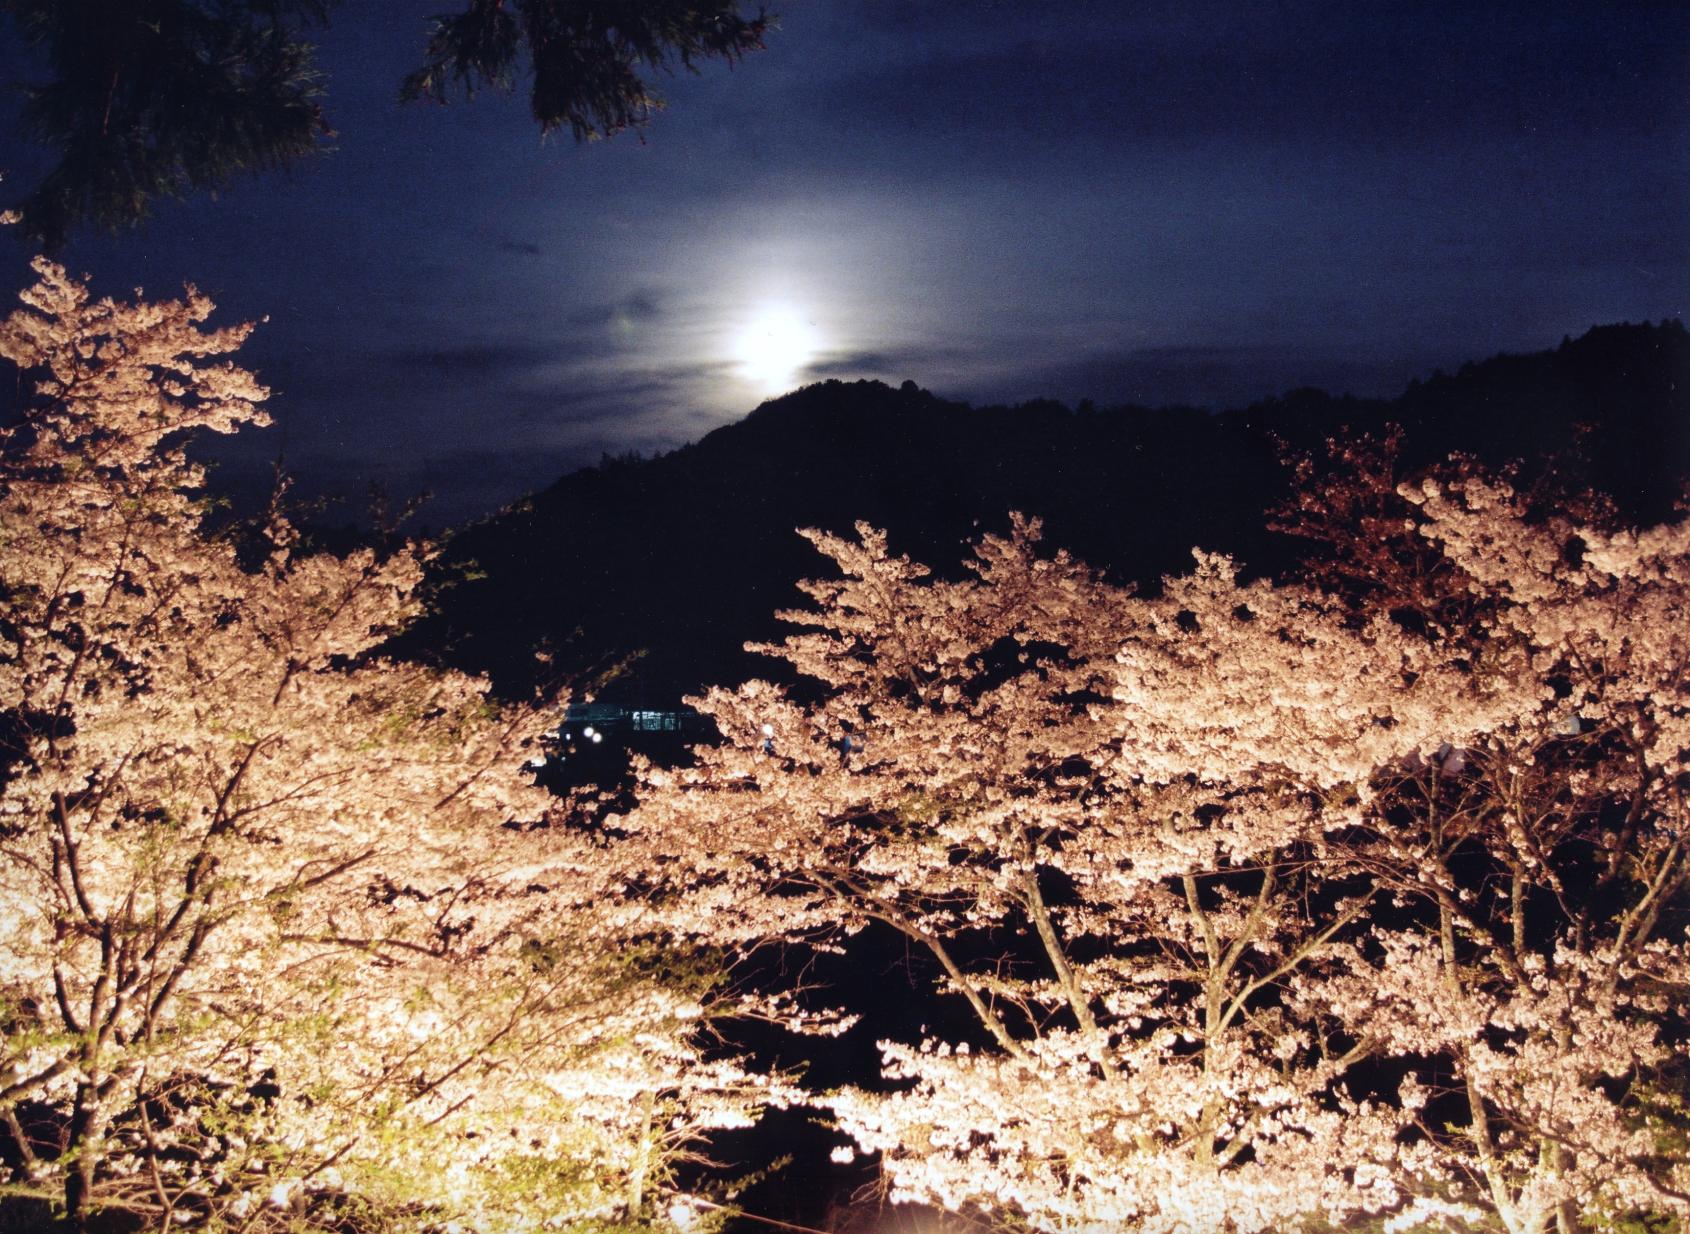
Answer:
(1195, 202)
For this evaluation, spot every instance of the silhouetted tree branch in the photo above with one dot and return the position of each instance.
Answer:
(150, 99)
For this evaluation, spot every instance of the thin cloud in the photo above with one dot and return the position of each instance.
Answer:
(638, 396)
(642, 305)
(901, 362)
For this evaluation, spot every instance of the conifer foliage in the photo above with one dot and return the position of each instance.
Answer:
(143, 100)
(588, 62)
(150, 99)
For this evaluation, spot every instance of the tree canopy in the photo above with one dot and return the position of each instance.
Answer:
(588, 62)
(1351, 897)
(1272, 904)
(287, 939)
(150, 99)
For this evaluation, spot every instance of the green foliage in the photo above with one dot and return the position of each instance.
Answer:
(1637, 1223)
(1662, 1105)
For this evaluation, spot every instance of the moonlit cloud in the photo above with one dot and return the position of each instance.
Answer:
(1160, 202)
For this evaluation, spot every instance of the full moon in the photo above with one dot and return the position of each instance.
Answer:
(775, 347)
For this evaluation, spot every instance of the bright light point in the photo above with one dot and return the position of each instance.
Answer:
(775, 347)
(597, 737)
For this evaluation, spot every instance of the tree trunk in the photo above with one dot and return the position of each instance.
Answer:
(87, 1130)
(642, 1159)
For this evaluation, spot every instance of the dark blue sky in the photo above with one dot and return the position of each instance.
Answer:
(1158, 202)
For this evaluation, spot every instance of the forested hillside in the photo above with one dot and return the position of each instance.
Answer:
(649, 575)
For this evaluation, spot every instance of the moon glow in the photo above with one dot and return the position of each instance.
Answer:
(774, 348)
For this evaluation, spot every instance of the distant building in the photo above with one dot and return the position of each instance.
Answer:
(619, 723)
(594, 742)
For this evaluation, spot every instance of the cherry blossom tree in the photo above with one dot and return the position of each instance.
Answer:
(1270, 904)
(1535, 965)
(1107, 820)
(1185, 859)
(286, 937)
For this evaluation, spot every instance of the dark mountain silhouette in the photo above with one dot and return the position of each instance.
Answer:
(668, 565)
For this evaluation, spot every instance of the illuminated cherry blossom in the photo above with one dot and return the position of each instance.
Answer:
(284, 931)
(1172, 852)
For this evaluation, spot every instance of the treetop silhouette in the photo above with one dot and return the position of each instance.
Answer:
(146, 100)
